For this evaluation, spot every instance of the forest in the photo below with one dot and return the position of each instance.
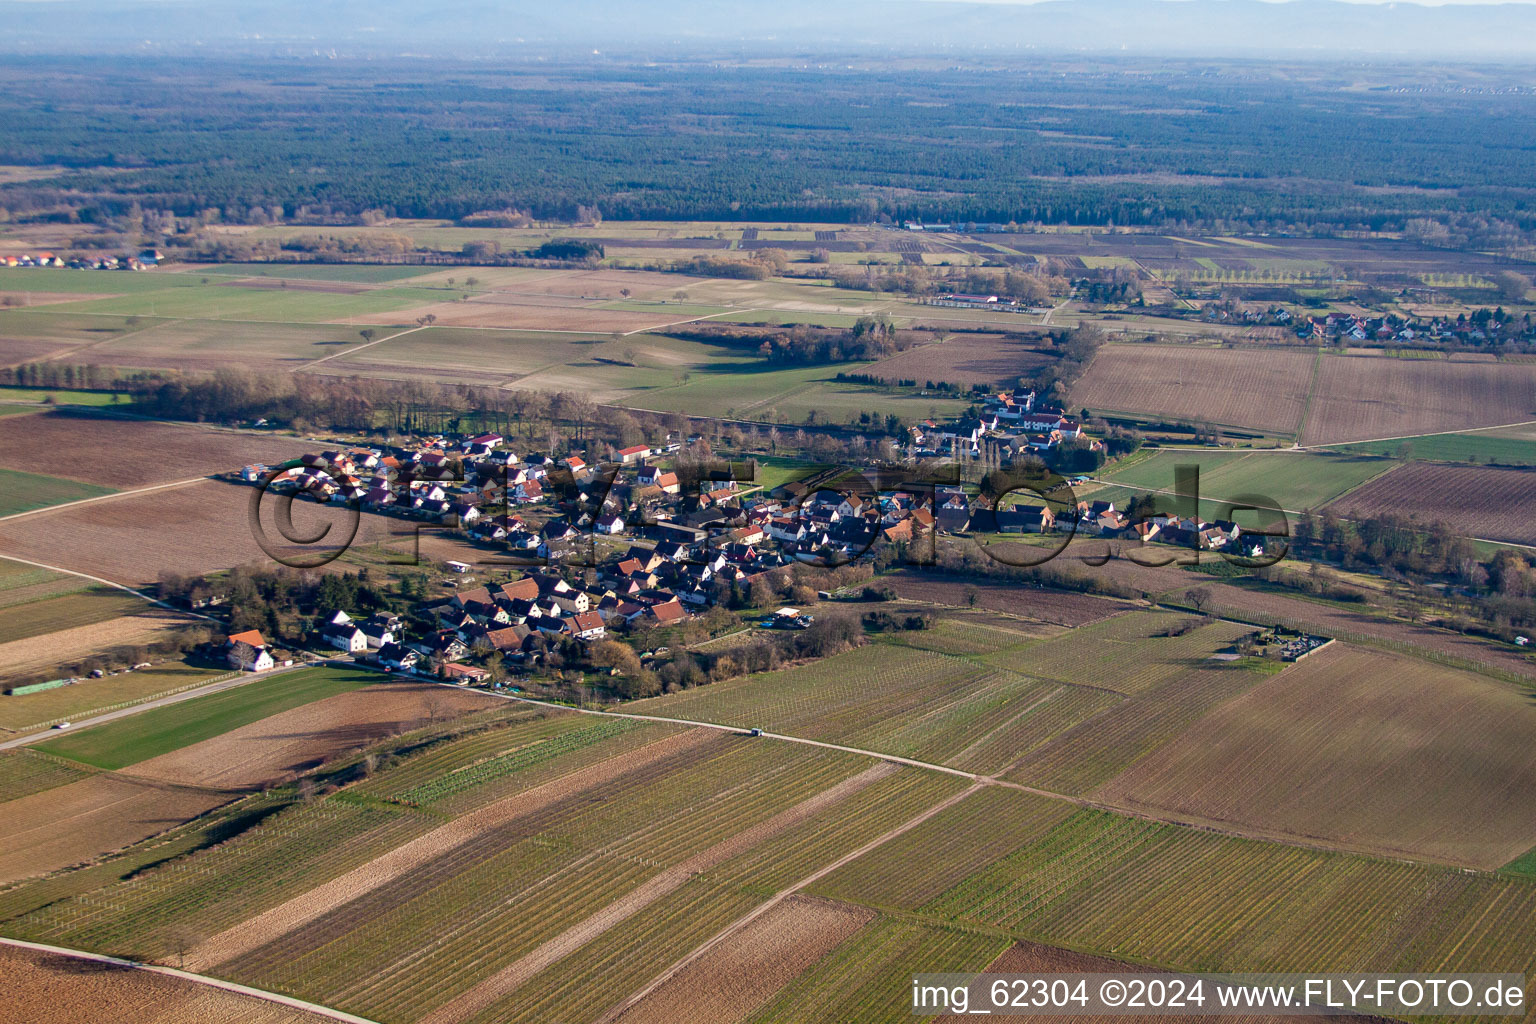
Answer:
(1223, 146)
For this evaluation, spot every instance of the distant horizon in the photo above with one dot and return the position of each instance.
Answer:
(1479, 31)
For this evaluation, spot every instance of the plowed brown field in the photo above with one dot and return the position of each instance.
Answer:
(131, 453)
(1262, 389)
(1495, 504)
(1363, 398)
(46, 988)
(299, 739)
(1058, 607)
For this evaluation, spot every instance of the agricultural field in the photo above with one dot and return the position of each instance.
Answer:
(964, 358)
(737, 977)
(158, 731)
(1360, 749)
(1493, 504)
(973, 633)
(88, 607)
(1294, 480)
(47, 988)
(104, 813)
(118, 454)
(24, 772)
(558, 905)
(1507, 446)
(868, 977)
(28, 335)
(46, 652)
(80, 699)
(282, 745)
(476, 353)
(21, 583)
(1054, 607)
(1359, 399)
(62, 396)
(23, 492)
(1126, 654)
(194, 345)
(201, 527)
(185, 296)
(1103, 744)
(1168, 894)
(1259, 389)
(829, 699)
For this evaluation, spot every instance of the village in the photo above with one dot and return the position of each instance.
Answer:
(651, 538)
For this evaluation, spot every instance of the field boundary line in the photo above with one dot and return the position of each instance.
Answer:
(358, 348)
(172, 972)
(1306, 404)
(108, 583)
(690, 320)
(1410, 437)
(174, 698)
(487, 992)
(103, 497)
(309, 906)
(983, 779)
(783, 894)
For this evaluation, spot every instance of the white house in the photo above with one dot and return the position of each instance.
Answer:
(248, 652)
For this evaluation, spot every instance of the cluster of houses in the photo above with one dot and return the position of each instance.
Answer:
(647, 551)
(143, 261)
(1008, 421)
(1344, 328)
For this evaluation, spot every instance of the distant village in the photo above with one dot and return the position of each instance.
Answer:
(651, 537)
(145, 260)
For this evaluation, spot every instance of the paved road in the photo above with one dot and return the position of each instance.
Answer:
(175, 698)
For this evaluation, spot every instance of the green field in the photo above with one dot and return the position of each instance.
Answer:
(160, 730)
(234, 341)
(23, 492)
(1523, 865)
(222, 300)
(788, 317)
(1507, 447)
(22, 584)
(773, 472)
(63, 396)
(1294, 480)
(89, 282)
(363, 274)
(51, 614)
(78, 700)
(481, 352)
(46, 324)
